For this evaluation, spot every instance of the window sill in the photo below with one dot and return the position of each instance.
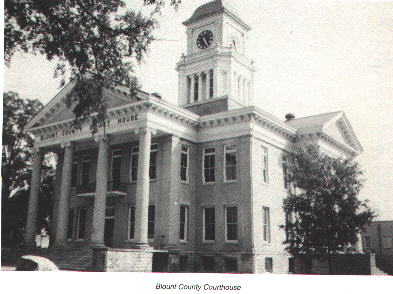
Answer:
(232, 242)
(184, 242)
(230, 181)
(185, 182)
(209, 183)
(209, 242)
(151, 180)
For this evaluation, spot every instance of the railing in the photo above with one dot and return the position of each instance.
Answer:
(113, 186)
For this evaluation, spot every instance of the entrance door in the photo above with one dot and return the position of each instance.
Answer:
(160, 262)
(109, 226)
(108, 234)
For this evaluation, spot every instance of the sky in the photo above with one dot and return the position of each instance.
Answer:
(311, 57)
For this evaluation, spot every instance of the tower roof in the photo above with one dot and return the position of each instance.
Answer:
(216, 7)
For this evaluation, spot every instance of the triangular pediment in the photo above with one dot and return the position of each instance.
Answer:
(56, 110)
(340, 129)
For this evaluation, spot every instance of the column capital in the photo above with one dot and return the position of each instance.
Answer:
(101, 137)
(36, 150)
(66, 144)
(144, 130)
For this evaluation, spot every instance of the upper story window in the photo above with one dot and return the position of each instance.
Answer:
(285, 170)
(209, 165)
(183, 232)
(74, 172)
(231, 223)
(116, 165)
(265, 165)
(266, 224)
(209, 224)
(184, 163)
(152, 166)
(230, 163)
(153, 162)
(85, 170)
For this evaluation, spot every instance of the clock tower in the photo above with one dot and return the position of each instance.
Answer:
(215, 75)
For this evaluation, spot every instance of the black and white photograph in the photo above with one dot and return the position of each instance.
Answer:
(197, 145)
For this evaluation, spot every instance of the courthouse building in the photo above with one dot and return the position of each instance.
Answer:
(192, 186)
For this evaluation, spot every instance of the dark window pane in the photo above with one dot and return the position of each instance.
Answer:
(151, 216)
(269, 264)
(210, 225)
(81, 223)
(70, 231)
(132, 222)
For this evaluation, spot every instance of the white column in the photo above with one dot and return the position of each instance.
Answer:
(62, 212)
(142, 187)
(32, 211)
(207, 84)
(97, 234)
(200, 87)
(192, 89)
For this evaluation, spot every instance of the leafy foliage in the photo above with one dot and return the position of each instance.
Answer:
(16, 167)
(98, 40)
(324, 213)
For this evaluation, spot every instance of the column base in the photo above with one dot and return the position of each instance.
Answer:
(97, 245)
(140, 246)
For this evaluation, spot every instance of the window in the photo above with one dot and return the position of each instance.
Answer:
(208, 264)
(269, 264)
(184, 163)
(211, 84)
(188, 89)
(209, 165)
(85, 170)
(231, 264)
(74, 173)
(131, 229)
(70, 230)
(150, 226)
(266, 224)
(81, 223)
(367, 242)
(134, 163)
(265, 165)
(116, 166)
(231, 223)
(209, 220)
(386, 242)
(183, 263)
(196, 88)
(153, 162)
(183, 222)
(285, 170)
(289, 219)
(230, 162)
(152, 166)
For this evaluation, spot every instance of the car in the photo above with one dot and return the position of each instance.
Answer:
(35, 263)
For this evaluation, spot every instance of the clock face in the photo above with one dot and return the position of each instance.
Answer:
(205, 39)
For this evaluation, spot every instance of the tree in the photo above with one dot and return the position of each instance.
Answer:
(323, 209)
(16, 166)
(98, 40)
